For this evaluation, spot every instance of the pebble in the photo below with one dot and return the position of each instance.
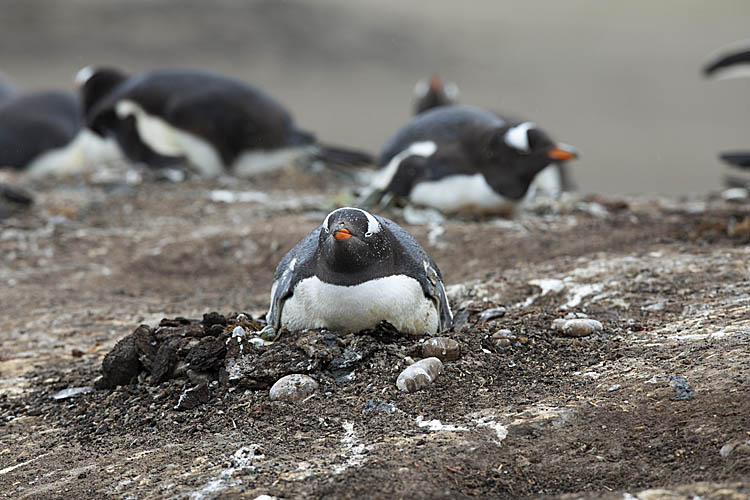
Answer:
(193, 397)
(503, 338)
(375, 404)
(578, 327)
(71, 392)
(614, 388)
(267, 333)
(736, 446)
(442, 348)
(293, 388)
(419, 375)
(490, 314)
(682, 389)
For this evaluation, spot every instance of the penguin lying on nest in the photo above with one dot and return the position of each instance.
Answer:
(730, 64)
(43, 133)
(434, 92)
(211, 123)
(461, 159)
(354, 271)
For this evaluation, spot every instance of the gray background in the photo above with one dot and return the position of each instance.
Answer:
(619, 80)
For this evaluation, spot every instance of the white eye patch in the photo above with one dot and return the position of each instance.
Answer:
(451, 91)
(373, 226)
(84, 74)
(421, 88)
(518, 136)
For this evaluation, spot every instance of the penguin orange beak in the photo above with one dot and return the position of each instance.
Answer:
(562, 152)
(342, 234)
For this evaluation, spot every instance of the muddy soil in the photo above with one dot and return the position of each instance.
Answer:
(654, 405)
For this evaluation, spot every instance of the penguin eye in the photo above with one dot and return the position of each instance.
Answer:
(368, 234)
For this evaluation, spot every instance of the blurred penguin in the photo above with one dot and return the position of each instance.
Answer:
(211, 123)
(42, 133)
(464, 160)
(732, 62)
(433, 92)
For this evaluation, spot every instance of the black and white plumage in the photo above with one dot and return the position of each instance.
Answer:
(354, 271)
(213, 123)
(733, 62)
(461, 159)
(43, 133)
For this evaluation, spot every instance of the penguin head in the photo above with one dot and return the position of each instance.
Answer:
(94, 83)
(433, 92)
(352, 240)
(519, 151)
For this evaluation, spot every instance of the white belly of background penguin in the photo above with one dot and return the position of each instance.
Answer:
(461, 194)
(355, 271)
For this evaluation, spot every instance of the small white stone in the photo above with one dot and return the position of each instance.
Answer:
(293, 388)
(419, 375)
(579, 327)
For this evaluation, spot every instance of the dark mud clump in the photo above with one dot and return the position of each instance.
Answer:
(235, 351)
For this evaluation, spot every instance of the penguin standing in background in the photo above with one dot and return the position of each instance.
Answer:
(354, 271)
(434, 92)
(732, 63)
(212, 123)
(461, 159)
(43, 133)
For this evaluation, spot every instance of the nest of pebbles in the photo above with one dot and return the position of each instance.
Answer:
(234, 351)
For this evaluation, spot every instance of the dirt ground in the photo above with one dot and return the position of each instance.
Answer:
(654, 405)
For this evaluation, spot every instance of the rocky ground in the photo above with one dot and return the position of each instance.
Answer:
(653, 404)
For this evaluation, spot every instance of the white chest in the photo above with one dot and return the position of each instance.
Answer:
(399, 300)
(461, 194)
(547, 183)
(86, 149)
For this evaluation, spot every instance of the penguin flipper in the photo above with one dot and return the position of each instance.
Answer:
(289, 272)
(446, 316)
(737, 158)
(127, 136)
(424, 270)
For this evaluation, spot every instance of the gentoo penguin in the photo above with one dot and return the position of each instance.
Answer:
(213, 123)
(354, 271)
(42, 133)
(461, 159)
(732, 63)
(435, 92)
